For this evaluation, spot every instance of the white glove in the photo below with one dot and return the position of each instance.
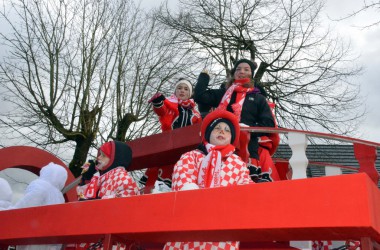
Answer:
(160, 187)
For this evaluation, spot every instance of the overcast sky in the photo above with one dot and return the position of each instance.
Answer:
(365, 42)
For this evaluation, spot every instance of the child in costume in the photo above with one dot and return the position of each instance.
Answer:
(111, 178)
(247, 101)
(108, 179)
(212, 164)
(177, 111)
(45, 190)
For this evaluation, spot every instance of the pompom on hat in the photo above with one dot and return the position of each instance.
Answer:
(251, 64)
(217, 116)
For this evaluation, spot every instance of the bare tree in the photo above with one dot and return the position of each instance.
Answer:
(367, 6)
(303, 68)
(79, 72)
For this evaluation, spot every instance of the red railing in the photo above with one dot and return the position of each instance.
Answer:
(365, 151)
(330, 208)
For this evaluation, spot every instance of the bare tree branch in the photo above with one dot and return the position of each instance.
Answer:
(367, 6)
(80, 73)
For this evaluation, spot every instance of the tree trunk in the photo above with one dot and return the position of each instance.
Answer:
(123, 125)
(260, 72)
(80, 155)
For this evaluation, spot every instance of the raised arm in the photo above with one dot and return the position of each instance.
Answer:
(205, 96)
(158, 103)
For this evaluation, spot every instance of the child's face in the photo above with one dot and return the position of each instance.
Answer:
(221, 134)
(182, 92)
(103, 161)
(243, 70)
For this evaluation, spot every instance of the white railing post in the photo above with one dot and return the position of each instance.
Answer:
(298, 161)
(331, 171)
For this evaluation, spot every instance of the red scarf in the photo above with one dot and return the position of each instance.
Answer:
(189, 103)
(93, 187)
(241, 91)
(209, 172)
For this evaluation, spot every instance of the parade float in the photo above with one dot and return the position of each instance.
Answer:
(341, 203)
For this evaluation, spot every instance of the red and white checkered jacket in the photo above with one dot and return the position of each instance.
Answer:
(117, 183)
(233, 172)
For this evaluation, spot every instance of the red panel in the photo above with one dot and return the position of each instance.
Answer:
(328, 208)
(33, 159)
(165, 148)
(282, 169)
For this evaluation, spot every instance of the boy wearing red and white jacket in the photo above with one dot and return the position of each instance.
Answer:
(213, 164)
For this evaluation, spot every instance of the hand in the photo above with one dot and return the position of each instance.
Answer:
(157, 98)
(205, 71)
(88, 170)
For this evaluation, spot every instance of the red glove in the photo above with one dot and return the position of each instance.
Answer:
(158, 97)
